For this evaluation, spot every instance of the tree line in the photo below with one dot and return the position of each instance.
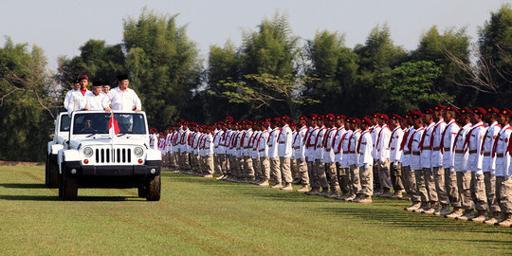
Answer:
(272, 72)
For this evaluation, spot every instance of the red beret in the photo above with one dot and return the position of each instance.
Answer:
(450, 108)
(439, 108)
(479, 111)
(429, 112)
(384, 117)
(285, 118)
(82, 77)
(366, 120)
(305, 118)
(416, 114)
(355, 120)
(506, 112)
(375, 115)
(493, 110)
(396, 117)
(340, 117)
(329, 117)
(314, 117)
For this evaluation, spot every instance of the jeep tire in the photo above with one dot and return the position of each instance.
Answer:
(142, 190)
(153, 188)
(68, 189)
(52, 173)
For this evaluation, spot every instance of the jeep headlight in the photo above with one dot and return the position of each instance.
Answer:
(138, 151)
(87, 152)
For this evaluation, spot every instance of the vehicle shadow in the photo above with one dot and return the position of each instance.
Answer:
(80, 198)
(22, 185)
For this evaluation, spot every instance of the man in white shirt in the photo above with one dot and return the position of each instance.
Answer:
(364, 149)
(96, 100)
(124, 98)
(273, 143)
(299, 147)
(285, 139)
(77, 99)
(395, 154)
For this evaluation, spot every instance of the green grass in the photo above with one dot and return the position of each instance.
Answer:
(197, 216)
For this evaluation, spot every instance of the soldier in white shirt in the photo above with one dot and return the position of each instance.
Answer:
(77, 100)
(474, 142)
(339, 146)
(436, 160)
(255, 154)
(320, 166)
(352, 159)
(96, 100)
(395, 154)
(447, 146)
(415, 180)
(502, 152)
(426, 164)
(285, 151)
(299, 152)
(487, 165)
(263, 148)
(124, 98)
(329, 156)
(246, 149)
(310, 153)
(273, 154)
(364, 149)
(382, 156)
(460, 161)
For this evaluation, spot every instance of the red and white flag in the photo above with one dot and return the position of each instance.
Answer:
(113, 126)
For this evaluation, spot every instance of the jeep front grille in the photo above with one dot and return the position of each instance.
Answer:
(113, 155)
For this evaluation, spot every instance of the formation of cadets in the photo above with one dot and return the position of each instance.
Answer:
(448, 162)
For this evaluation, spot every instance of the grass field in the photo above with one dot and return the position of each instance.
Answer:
(197, 216)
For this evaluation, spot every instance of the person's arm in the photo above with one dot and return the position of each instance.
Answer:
(136, 102)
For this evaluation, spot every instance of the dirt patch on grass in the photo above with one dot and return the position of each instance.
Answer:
(18, 163)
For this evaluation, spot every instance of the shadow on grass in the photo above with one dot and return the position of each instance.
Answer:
(80, 198)
(22, 185)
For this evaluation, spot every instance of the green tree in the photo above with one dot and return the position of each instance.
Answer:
(332, 70)
(25, 102)
(377, 56)
(441, 48)
(495, 58)
(97, 59)
(223, 67)
(411, 85)
(164, 66)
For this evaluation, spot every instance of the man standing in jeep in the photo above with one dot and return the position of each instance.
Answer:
(124, 98)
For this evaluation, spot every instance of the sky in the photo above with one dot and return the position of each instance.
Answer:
(60, 27)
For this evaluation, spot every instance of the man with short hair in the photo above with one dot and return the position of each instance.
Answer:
(299, 148)
(77, 99)
(365, 161)
(124, 98)
(395, 154)
(488, 161)
(502, 151)
(97, 100)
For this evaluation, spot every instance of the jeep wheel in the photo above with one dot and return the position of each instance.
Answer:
(153, 189)
(53, 173)
(68, 189)
(47, 172)
(143, 191)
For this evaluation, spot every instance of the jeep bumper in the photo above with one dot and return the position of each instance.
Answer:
(150, 168)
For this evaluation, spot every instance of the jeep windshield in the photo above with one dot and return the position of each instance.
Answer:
(100, 123)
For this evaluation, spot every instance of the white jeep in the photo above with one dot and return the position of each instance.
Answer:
(60, 136)
(109, 150)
